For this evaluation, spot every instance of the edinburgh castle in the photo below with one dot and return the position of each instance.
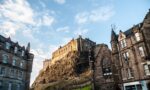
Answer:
(83, 63)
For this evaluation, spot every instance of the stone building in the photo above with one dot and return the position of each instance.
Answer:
(103, 75)
(78, 44)
(15, 65)
(131, 55)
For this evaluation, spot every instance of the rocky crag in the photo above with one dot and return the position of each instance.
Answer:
(73, 68)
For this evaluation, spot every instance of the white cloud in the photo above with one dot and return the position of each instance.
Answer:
(101, 14)
(47, 20)
(9, 28)
(63, 29)
(96, 15)
(17, 11)
(82, 18)
(81, 32)
(60, 1)
(19, 15)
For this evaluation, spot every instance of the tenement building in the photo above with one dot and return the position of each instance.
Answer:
(131, 55)
(15, 65)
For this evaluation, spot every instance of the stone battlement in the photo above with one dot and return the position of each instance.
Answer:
(78, 44)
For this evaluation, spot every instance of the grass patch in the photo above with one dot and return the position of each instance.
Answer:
(89, 87)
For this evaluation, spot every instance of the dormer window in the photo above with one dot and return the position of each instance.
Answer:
(137, 36)
(22, 53)
(7, 45)
(123, 43)
(16, 49)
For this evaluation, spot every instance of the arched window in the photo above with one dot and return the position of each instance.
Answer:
(5, 58)
(106, 67)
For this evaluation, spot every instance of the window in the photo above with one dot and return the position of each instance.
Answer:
(18, 87)
(141, 51)
(7, 45)
(107, 71)
(14, 62)
(129, 73)
(126, 56)
(12, 72)
(20, 74)
(5, 58)
(16, 49)
(1, 82)
(2, 70)
(123, 43)
(22, 54)
(147, 69)
(137, 36)
(21, 64)
(106, 67)
(9, 86)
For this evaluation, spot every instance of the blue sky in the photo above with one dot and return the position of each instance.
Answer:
(47, 24)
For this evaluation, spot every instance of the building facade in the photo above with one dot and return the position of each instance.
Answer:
(15, 65)
(79, 44)
(103, 68)
(131, 55)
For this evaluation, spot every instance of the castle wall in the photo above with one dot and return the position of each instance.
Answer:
(62, 51)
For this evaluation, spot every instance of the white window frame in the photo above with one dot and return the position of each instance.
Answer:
(147, 69)
(126, 56)
(137, 36)
(129, 72)
(141, 51)
(123, 43)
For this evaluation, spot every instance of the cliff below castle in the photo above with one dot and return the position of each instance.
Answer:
(71, 68)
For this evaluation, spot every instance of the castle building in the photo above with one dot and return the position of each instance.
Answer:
(78, 44)
(131, 55)
(15, 65)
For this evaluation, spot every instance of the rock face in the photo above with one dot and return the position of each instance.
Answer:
(72, 66)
